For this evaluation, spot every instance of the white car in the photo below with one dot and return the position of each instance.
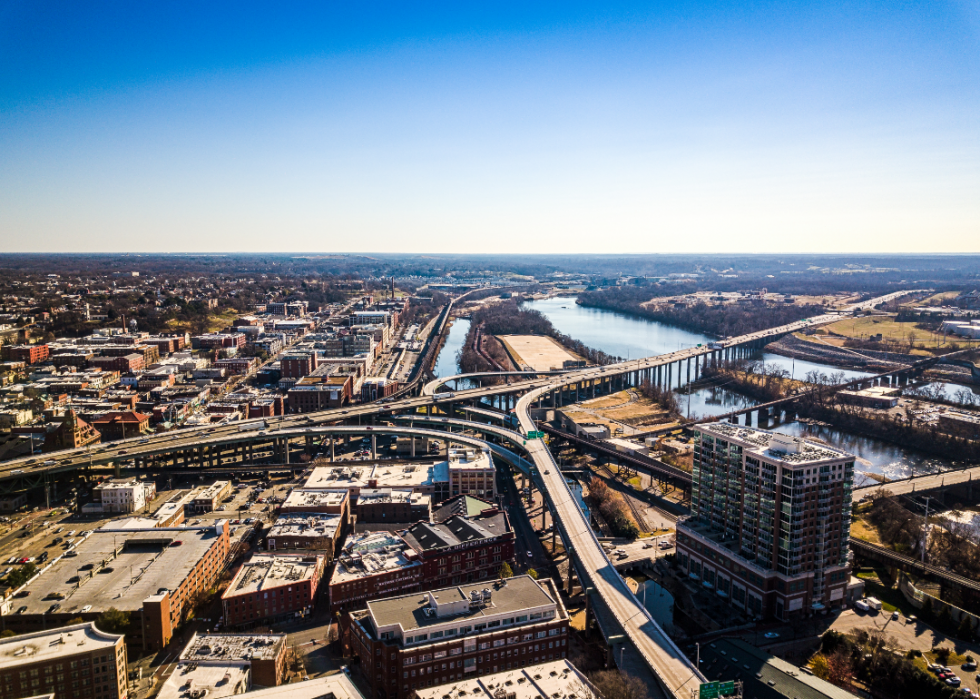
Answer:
(530, 555)
(86, 608)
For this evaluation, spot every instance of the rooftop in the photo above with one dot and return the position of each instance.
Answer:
(146, 562)
(403, 477)
(209, 492)
(463, 505)
(48, 645)
(774, 446)
(454, 603)
(234, 646)
(269, 570)
(370, 554)
(217, 680)
(305, 524)
(314, 498)
(337, 686)
(425, 536)
(370, 496)
(556, 680)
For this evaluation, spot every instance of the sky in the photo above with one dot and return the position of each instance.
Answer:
(500, 127)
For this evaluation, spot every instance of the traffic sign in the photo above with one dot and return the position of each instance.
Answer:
(535, 435)
(713, 690)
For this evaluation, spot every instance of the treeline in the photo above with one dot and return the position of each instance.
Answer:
(722, 320)
(663, 396)
(614, 510)
(864, 657)
(512, 318)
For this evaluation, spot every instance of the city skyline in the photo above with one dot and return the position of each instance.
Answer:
(625, 128)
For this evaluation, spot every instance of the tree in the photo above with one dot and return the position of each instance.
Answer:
(113, 621)
(840, 670)
(615, 684)
(506, 571)
(820, 666)
(942, 654)
(533, 573)
(7, 633)
(22, 575)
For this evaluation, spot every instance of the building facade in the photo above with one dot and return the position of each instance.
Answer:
(273, 587)
(125, 495)
(462, 549)
(770, 521)
(71, 662)
(410, 642)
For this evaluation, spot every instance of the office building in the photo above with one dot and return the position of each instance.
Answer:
(207, 497)
(471, 472)
(421, 640)
(333, 502)
(770, 521)
(71, 662)
(387, 506)
(124, 495)
(272, 587)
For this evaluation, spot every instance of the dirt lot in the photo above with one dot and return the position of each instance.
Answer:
(537, 351)
(889, 328)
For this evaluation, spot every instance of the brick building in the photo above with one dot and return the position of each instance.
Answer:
(121, 424)
(313, 393)
(463, 549)
(307, 531)
(296, 365)
(387, 506)
(410, 642)
(29, 354)
(71, 662)
(125, 364)
(273, 587)
(371, 566)
(334, 502)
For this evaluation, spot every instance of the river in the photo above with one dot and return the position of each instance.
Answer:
(628, 336)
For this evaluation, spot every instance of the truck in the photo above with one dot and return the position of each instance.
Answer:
(261, 425)
(716, 345)
(873, 603)
(444, 396)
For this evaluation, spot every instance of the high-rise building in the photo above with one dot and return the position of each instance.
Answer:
(770, 520)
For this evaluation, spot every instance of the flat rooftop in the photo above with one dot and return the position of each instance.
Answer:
(370, 554)
(219, 680)
(456, 530)
(470, 459)
(209, 492)
(234, 646)
(50, 645)
(373, 496)
(555, 679)
(314, 498)
(146, 562)
(337, 686)
(313, 524)
(406, 611)
(266, 570)
(402, 477)
(774, 446)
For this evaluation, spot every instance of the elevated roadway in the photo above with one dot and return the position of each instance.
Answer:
(432, 387)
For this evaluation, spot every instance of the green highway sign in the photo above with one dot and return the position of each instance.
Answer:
(535, 435)
(713, 690)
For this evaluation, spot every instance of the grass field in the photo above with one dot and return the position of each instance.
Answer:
(862, 328)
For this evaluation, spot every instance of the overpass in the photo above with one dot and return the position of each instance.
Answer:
(205, 446)
(433, 386)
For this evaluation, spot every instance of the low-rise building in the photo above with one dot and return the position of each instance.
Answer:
(272, 587)
(428, 479)
(124, 495)
(463, 549)
(307, 531)
(387, 506)
(879, 397)
(471, 472)
(558, 678)
(333, 502)
(152, 573)
(414, 641)
(208, 497)
(371, 566)
(121, 424)
(71, 662)
(225, 664)
(29, 354)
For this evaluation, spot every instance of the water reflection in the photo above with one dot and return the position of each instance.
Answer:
(659, 602)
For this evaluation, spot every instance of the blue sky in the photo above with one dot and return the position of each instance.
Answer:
(631, 127)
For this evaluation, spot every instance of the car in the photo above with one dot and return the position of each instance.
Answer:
(530, 555)
(895, 615)
(53, 608)
(86, 608)
(953, 681)
(178, 542)
(25, 559)
(970, 665)
(12, 559)
(770, 635)
(50, 462)
(23, 593)
(71, 554)
(122, 451)
(59, 530)
(107, 569)
(22, 609)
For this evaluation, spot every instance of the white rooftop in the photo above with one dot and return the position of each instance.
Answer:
(265, 571)
(217, 680)
(555, 680)
(314, 498)
(49, 645)
(338, 686)
(402, 476)
(370, 554)
(313, 524)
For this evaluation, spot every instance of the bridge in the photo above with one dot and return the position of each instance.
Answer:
(243, 441)
(433, 386)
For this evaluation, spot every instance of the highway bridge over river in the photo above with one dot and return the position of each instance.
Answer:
(245, 441)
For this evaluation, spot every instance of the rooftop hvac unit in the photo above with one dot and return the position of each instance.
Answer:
(487, 594)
